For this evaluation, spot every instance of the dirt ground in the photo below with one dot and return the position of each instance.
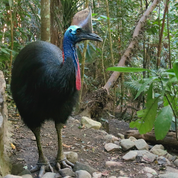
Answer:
(88, 143)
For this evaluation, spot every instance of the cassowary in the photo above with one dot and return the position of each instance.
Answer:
(45, 83)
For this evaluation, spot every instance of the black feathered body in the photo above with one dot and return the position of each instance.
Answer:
(43, 86)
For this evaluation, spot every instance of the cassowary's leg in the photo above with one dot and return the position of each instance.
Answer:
(61, 160)
(43, 163)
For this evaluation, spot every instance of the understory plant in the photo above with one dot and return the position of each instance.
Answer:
(160, 111)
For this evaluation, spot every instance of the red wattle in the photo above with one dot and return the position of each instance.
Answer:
(78, 79)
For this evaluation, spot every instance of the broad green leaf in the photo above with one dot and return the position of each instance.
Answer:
(126, 69)
(4, 50)
(142, 88)
(150, 92)
(145, 124)
(175, 67)
(165, 101)
(163, 122)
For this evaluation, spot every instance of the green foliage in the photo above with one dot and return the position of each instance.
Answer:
(126, 69)
(161, 104)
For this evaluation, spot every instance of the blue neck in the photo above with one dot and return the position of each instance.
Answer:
(69, 50)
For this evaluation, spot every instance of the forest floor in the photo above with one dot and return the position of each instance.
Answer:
(88, 143)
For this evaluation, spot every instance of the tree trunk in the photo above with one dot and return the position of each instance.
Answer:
(161, 34)
(45, 20)
(56, 16)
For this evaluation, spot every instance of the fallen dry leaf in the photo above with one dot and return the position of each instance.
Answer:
(13, 146)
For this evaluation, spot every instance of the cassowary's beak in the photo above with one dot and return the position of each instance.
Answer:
(89, 36)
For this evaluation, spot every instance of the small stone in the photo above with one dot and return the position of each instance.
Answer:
(176, 162)
(113, 164)
(97, 175)
(131, 155)
(67, 172)
(141, 144)
(168, 175)
(12, 176)
(27, 176)
(127, 144)
(145, 156)
(89, 123)
(163, 161)
(150, 170)
(80, 166)
(71, 156)
(132, 138)
(121, 136)
(169, 157)
(49, 175)
(111, 147)
(158, 150)
(112, 177)
(82, 174)
(158, 146)
(111, 138)
(33, 138)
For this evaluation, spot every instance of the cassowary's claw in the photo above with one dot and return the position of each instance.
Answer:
(42, 168)
(64, 164)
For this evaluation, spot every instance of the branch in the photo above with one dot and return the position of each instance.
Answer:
(133, 44)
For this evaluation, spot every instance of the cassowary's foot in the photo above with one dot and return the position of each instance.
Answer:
(64, 164)
(42, 167)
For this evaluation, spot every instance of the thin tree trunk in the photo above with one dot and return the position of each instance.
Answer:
(45, 20)
(168, 36)
(132, 46)
(161, 35)
(83, 64)
(12, 43)
(109, 31)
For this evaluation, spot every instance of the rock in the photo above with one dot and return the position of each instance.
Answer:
(163, 161)
(169, 157)
(145, 156)
(158, 146)
(49, 175)
(112, 177)
(170, 169)
(141, 144)
(80, 166)
(169, 175)
(89, 123)
(158, 150)
(111, 147)
(97, 175)
(12, 176)
(82, 174)
(111, 138)
(150, 171)
(176, 162)
(127, 144)
(67, 172)
(132, 138)
(71, 156)
(27, 176)
(121, 136)
(113, 164)
(131, 155)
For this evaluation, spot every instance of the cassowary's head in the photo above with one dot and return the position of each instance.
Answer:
(81, 27)
(77, 34)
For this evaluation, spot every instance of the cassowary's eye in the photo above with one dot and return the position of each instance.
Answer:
(78, 31)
